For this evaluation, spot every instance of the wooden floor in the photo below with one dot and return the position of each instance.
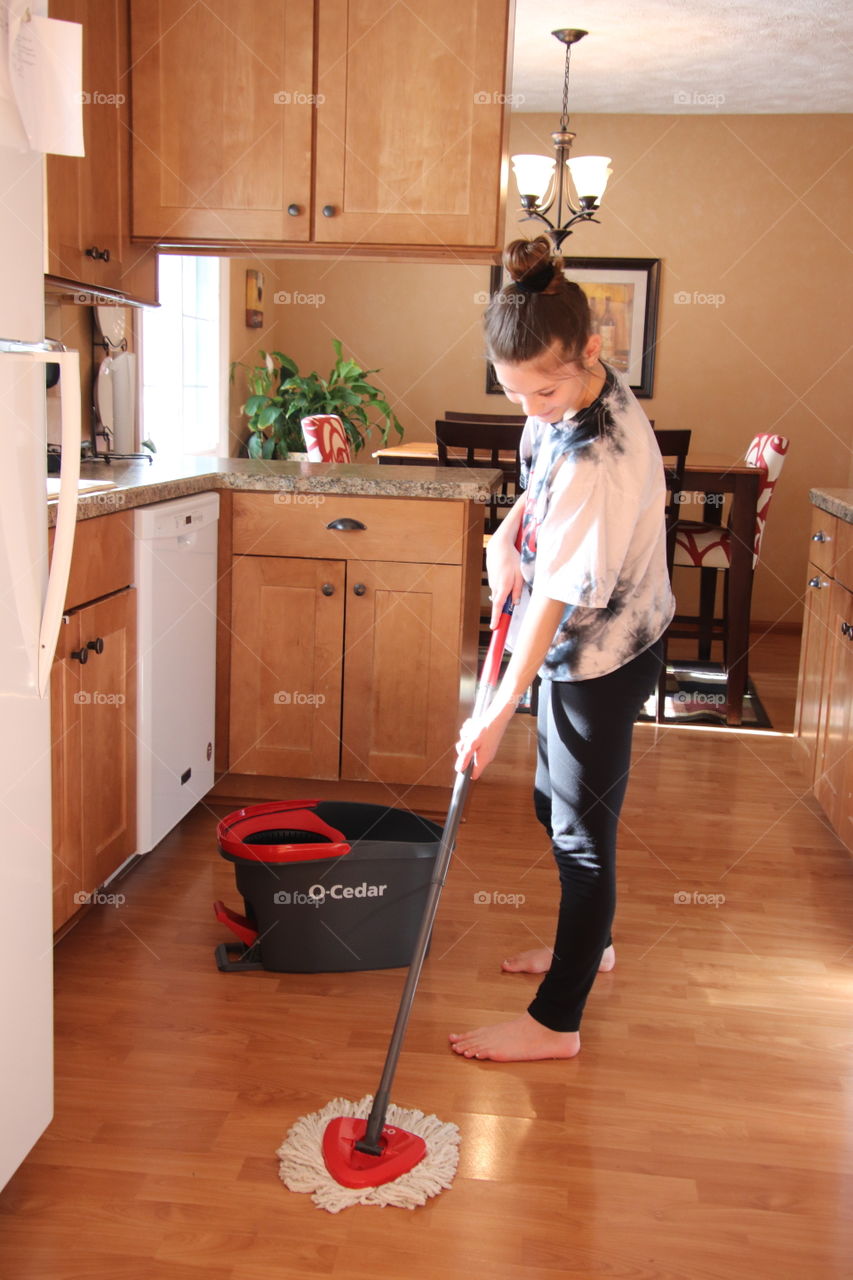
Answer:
(702, 1132)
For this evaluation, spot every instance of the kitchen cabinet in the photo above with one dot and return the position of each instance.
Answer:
(93, 717)
(88, 197)
(353, 636)
(315, 123)
(824, 718)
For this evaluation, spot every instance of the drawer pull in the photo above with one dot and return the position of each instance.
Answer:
(327, 589)
(359, 589)
(96, 645)
(82, 656)
(345, 524)
(820, 536)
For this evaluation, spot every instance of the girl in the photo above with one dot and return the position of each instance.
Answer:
(593, 600)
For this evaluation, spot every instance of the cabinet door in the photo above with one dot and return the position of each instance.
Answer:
(401, 672)
(107, 698)
(410, 121)
(222, 119)
(811, 704)
(65, 686)
(287, 632)
(834, 774)
(85, 193)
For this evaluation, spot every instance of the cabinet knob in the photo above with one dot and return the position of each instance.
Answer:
(846, 629)
(817, 582)
(820, 536)
(82, 656)
(102, 255)
(97, 646)
(294, 210)
(327, 589)
(359, 589)
(329, 211)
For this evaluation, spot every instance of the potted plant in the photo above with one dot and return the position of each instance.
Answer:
(281, 397)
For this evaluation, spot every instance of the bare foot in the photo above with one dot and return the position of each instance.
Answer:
(521, 1040)
(538, 960)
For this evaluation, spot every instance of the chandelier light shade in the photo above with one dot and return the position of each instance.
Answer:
(543, 182)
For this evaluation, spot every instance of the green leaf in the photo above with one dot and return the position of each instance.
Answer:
(254, 446)
(269, 447)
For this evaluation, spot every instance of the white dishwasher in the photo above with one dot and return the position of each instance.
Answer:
(175, 567)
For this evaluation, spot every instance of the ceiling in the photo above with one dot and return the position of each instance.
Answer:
(665, 57)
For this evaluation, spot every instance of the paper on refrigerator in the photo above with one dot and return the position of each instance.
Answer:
(42, 71)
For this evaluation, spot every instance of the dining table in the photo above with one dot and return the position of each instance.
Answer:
(709, 476)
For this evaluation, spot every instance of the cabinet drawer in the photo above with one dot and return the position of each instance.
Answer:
(102, 559)
(822, 544)
(399, 529)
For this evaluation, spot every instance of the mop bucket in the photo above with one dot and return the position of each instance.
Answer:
(326, 886)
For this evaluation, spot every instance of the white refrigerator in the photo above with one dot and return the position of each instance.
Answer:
(31, 605)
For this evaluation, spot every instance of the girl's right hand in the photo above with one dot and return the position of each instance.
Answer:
(503, 564)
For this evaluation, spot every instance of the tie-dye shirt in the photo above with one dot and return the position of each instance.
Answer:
(594, 532)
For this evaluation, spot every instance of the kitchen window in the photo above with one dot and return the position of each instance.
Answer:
(184, 367)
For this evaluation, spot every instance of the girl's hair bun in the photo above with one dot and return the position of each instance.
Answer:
(532, 262)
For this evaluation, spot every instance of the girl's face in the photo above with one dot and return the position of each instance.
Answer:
(551, 385)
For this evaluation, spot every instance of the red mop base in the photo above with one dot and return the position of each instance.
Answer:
(401, 1152)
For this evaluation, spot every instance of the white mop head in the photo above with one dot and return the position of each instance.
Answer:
(303, 1169)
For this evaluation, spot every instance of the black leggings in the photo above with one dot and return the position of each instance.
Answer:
(585, 729)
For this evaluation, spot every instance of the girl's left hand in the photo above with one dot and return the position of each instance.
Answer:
(478, 740)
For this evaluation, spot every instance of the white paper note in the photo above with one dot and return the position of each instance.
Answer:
(46, 72)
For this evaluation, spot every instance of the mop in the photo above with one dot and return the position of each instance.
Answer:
(373, 1152)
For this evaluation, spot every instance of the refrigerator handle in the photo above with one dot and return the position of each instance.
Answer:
(66, 508)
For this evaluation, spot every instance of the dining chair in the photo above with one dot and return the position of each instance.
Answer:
(326, 438)
(484, 444)
(707, 546)
(453, 416)
(674, 445)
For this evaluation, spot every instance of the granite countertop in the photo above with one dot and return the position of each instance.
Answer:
(836, 502)
(140, 483)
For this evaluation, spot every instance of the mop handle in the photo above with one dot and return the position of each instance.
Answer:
(370, 1143)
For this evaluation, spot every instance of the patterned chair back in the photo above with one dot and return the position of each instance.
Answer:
(326, 438)
(768, 453)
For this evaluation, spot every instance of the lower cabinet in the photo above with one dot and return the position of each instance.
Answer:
(824, 719)
(352, 664)
(93, 721)
(834, 780)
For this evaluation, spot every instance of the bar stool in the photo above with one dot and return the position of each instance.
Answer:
(706, 545)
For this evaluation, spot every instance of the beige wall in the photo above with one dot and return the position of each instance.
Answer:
(753, 208)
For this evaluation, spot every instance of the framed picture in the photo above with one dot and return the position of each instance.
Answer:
(623, 303)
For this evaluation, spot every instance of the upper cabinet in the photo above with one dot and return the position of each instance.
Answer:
(88, 197)
(310, 123)
(222, 119)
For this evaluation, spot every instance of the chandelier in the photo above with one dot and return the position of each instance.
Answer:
(543, 183)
